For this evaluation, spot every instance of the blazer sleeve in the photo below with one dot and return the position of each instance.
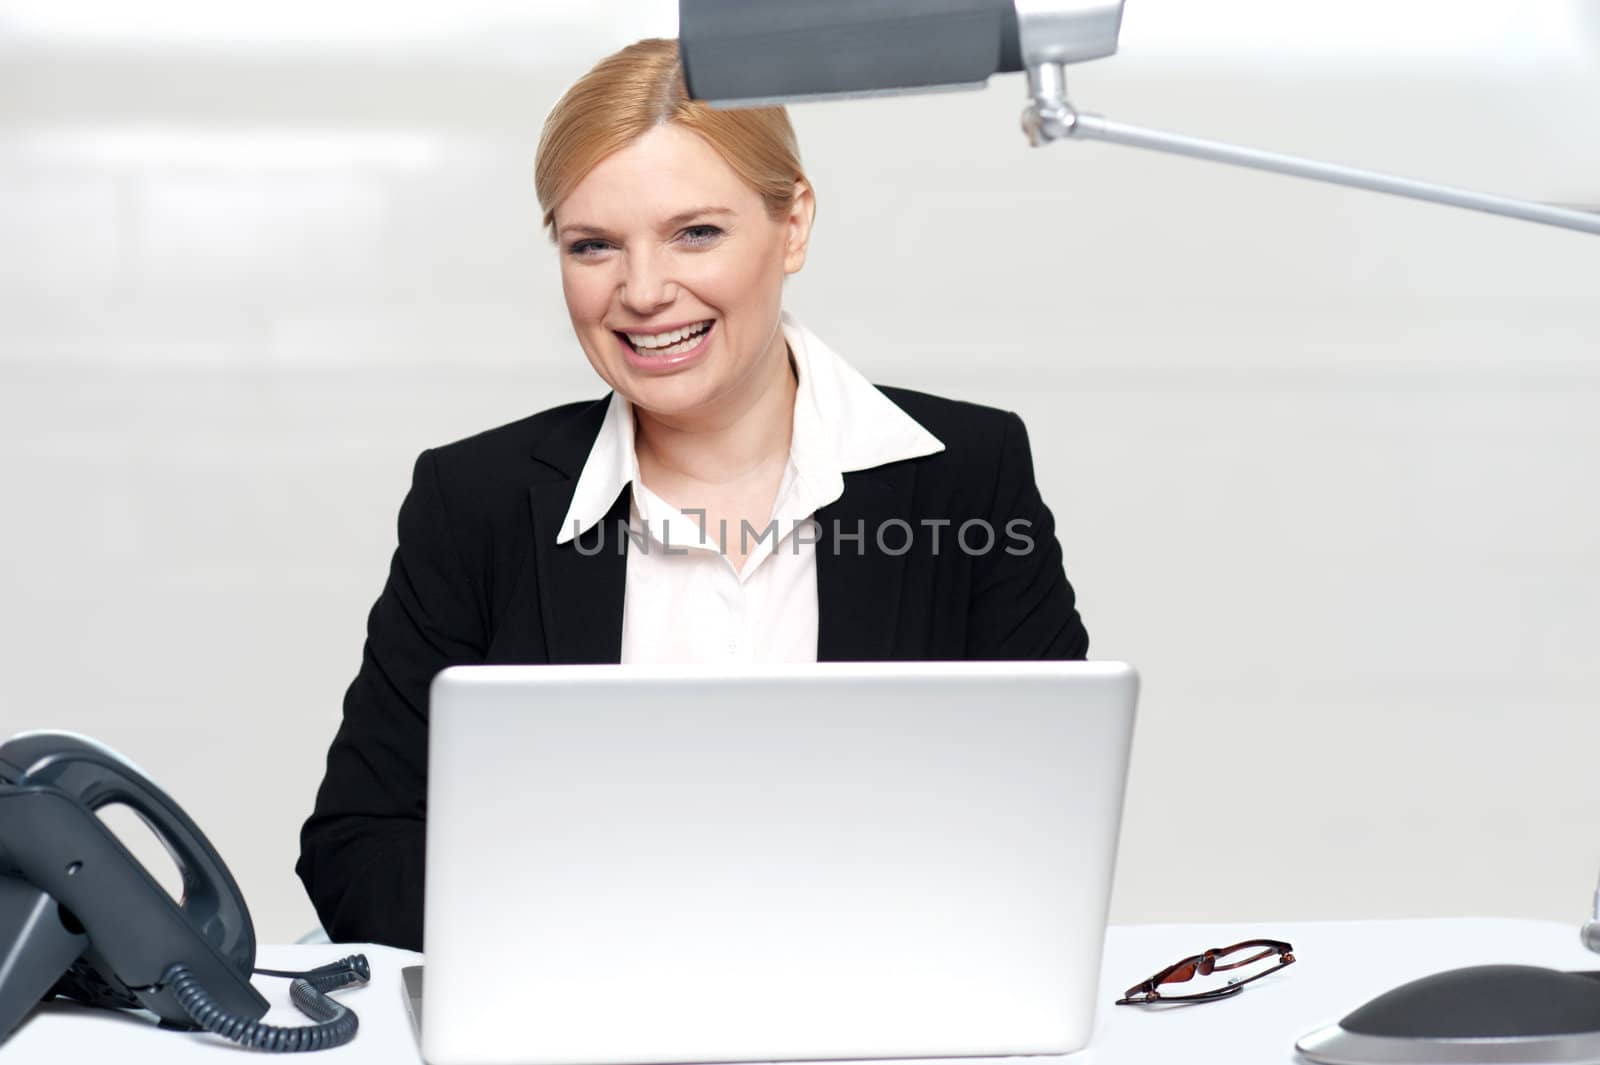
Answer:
(361, 851)
(1022, 606)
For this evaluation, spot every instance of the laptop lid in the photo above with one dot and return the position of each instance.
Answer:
(838, 861)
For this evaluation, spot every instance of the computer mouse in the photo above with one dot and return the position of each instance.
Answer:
(1480, 1015)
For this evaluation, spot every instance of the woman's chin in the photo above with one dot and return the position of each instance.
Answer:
(676, 396)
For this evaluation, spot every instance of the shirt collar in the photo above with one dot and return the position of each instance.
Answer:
(612, 466)
(842, 424)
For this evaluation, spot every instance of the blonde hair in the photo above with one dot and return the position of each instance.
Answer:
(629, 93)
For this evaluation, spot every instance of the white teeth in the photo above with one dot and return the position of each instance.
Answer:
(661, 340)
(680, 347)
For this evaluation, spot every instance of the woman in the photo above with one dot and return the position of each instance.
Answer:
(743, 495)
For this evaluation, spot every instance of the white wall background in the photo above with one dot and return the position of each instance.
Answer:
(1323, 461)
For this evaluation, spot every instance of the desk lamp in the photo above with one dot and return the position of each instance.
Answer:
(744, 53)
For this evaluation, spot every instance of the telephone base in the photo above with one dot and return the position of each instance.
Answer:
(35, 949)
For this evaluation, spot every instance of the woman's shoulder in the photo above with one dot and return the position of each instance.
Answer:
(483, 480)
(985, 453)
(555, 436)
(986, 469)
(941, 412)
(969, 431)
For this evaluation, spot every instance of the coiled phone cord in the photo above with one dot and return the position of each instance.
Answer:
(336, 1024)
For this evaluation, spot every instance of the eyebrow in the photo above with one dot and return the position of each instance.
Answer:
(678, 219)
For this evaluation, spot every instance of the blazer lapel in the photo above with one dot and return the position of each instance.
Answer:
(858, 583)
(581, 582)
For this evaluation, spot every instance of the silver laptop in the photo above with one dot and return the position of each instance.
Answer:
(843, 861)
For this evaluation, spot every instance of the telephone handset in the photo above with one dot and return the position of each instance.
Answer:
(81, 918)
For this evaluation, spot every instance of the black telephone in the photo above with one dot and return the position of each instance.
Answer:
(81, 918)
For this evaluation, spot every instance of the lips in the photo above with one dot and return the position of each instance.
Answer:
(671, 359)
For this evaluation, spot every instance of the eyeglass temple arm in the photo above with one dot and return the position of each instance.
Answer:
(1049, 117)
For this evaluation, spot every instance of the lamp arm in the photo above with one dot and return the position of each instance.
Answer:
(1049, 117)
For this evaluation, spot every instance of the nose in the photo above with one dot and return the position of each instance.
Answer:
(646, 286)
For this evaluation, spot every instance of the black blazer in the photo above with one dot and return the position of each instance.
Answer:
(477, 578)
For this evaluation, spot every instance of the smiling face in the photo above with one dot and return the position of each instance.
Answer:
(673, 274)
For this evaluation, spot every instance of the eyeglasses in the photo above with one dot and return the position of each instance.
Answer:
(1215, 960)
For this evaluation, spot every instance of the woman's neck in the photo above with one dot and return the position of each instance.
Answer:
(745, 437)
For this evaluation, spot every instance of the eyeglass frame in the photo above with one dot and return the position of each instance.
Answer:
(1205, 964)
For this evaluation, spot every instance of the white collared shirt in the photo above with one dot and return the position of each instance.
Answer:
(683, 601)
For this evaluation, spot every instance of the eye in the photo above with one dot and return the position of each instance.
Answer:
(584, 248)
(701, 234)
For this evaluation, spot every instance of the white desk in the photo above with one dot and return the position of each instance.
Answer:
(1340, 965)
